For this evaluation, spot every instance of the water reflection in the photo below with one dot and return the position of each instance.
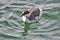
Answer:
(27, 27)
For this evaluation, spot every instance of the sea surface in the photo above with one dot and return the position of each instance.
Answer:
(13, 28)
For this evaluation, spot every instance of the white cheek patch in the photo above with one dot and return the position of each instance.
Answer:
(24, 18)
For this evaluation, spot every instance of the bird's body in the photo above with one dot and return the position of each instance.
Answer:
(32, 15)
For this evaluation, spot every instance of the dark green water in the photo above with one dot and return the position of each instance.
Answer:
(12, 27)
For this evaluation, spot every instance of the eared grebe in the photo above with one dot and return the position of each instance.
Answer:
(32, 15)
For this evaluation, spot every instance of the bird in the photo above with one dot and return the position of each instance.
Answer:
(32, 14)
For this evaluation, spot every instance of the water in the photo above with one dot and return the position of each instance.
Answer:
(12, 27)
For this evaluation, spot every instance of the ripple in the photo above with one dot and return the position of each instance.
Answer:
(11, 24)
